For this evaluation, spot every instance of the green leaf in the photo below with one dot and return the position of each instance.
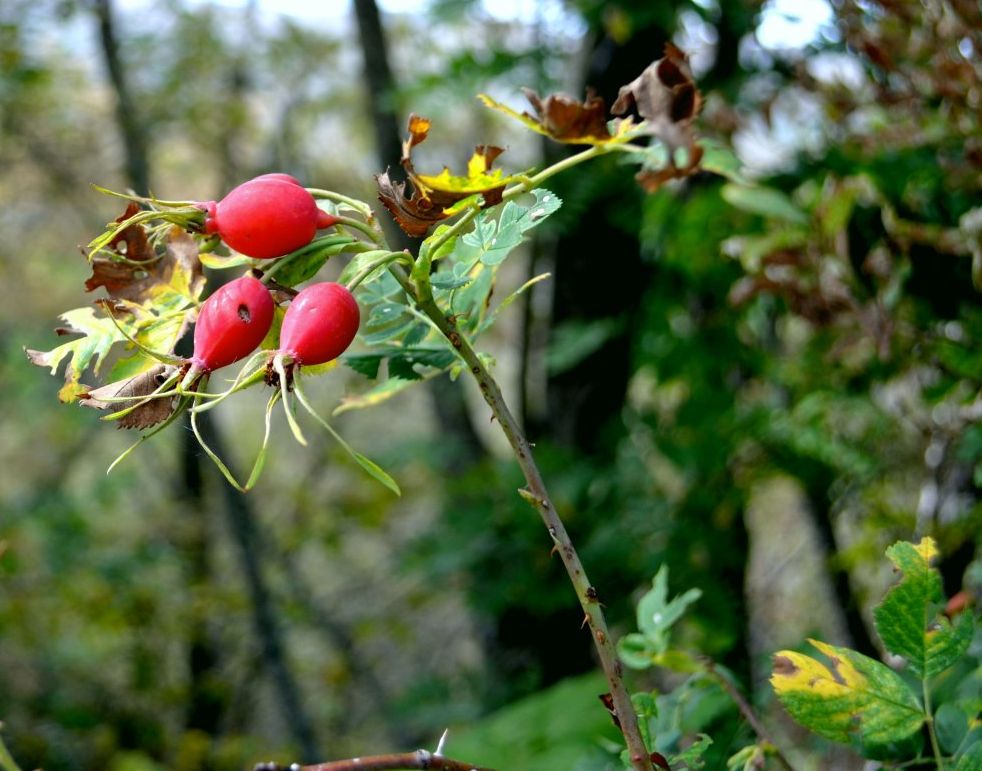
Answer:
(403, 363)
(398, 328)
(951, 724)
(633, 650)
(574, 341)
(495, 241)
(366, 364)
(765, 201)
(447, 280)
(748, 759)
(909, 620)
(692, 756)
(970, 759)
(720, 159)
(363, 261)
(304, 263)
(385, 313)
(380, 393)
(656, 614)
(98, 334)
(853, 696)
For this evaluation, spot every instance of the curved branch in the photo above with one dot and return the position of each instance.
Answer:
(407, 760)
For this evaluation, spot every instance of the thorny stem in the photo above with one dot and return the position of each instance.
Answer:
(536, 494)
(421, 759)
(748, 713)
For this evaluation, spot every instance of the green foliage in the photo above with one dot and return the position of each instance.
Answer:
(853, 698)
(656, 616)
(909, 619)
(558, 729)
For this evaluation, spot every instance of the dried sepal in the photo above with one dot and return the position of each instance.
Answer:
(666, 97)
(430, 196)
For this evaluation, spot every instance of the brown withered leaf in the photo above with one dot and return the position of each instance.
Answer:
(142, 274)
(430, 195)
(666, 96)
(414, 213)
(149, 413)
(566, 119)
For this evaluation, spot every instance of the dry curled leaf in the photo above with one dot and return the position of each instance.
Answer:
(430, 195)
(666, 96)
(567, 120)
(139, 274)
(149, 413)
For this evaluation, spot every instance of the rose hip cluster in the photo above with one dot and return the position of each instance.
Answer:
(319, 325)
(267, 217)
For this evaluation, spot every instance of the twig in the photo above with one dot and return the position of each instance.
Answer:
(407, 760)
(747, 711)
(535, 493)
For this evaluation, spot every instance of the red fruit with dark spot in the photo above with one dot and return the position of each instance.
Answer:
(320, 324)
(231, 324)
(267, 217)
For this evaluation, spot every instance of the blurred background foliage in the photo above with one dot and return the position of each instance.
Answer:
(761, 387)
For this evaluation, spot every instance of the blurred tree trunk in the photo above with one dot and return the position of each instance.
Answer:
(268, 630)
(448, 398)
(133, 132)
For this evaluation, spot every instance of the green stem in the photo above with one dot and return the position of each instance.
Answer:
(929, 719)
(7, 762)
(748, 713)
(374, 265)
(536, 494)
(530, 183)
(368, 230)
(454, 229)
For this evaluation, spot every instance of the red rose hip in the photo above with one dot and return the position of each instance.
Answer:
(267, 217)
(320, 324)
(231, 324)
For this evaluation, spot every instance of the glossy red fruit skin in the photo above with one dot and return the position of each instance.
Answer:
(266, 217)
(281, 177)
(320, 324)
(231, 323)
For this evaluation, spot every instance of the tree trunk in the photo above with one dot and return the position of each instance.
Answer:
(448, 398)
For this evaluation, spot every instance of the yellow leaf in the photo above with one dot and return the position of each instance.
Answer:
(804, 673)
(927, 548)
